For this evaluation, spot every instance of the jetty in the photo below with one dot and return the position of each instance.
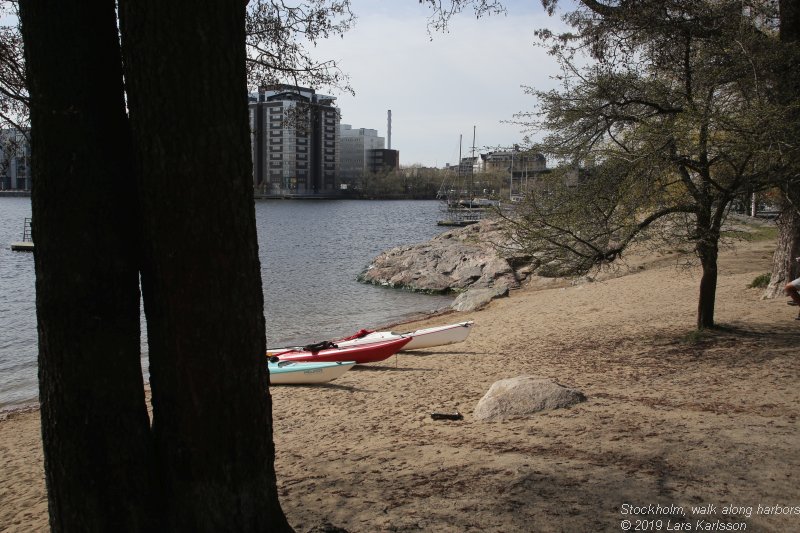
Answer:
(26, 245)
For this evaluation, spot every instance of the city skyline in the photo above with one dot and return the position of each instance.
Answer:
(440, 86)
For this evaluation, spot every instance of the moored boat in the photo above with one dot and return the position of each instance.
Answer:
(296, 373)
(369, 352)
(421, 338)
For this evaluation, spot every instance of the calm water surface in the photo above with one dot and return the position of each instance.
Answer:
(311, 253)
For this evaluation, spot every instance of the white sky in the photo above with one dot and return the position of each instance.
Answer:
(440, 88)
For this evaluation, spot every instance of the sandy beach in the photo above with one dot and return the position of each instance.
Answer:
(672, 418)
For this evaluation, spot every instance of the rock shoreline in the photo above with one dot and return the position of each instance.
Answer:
(464, 260)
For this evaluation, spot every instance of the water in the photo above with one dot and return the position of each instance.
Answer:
(17, 308)
(311, 253)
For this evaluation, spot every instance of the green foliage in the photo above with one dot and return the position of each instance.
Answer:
(674, 116)
(760, 282)
(754, 234)
(673, 119)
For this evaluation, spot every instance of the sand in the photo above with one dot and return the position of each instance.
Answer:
(672, 418)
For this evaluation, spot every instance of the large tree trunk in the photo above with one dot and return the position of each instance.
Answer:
(95, 428)
(784, 268)
(201, 278)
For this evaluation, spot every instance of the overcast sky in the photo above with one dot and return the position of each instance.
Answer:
(440, 88)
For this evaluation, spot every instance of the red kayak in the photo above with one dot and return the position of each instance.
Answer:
(360, 353)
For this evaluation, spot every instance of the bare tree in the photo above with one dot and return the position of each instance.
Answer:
(278, 36)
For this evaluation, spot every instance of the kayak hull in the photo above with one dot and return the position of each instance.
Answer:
(370, 352)
(421, 338)
(297, 373)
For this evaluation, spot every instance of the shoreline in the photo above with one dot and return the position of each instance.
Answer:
(672, 417)
(409, 318)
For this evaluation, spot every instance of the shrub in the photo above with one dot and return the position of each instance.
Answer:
(760, 282)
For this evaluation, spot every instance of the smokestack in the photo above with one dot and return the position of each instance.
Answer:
(389, 129)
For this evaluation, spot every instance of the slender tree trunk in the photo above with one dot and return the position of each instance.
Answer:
(708, 286)
(95, 428)
(707, 248)
(185, 67)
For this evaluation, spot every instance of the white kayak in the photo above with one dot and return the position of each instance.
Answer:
(296, 373)
(421, 338)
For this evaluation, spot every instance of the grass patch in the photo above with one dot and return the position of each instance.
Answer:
(709, 335)
(696, 336)
(760, 281)
(753, 234)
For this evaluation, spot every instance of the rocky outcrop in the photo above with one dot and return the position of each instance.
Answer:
(478, 297)
(523, 396)
(457, 260)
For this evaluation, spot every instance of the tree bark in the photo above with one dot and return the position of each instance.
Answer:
(707, 247)
(201, 277)
(784, 268)
(708, 286)
(95, 428)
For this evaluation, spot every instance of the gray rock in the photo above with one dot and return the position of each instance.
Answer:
(455, 260)
(523, 396)
(477, 298)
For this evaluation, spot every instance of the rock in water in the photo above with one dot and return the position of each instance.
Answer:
(523, 396)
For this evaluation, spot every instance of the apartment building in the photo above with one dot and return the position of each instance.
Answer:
(294, 142)
(15, 160)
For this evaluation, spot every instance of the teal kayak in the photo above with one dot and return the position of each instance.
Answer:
(297, 373)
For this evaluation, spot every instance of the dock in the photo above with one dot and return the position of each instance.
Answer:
(26, 244)
(456, 223)
(22, 246)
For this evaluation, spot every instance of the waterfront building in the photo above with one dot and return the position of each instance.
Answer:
(356, 144)
(294, 142)
(15, 160)
(382, 160)
(523, 162)
(523, 168)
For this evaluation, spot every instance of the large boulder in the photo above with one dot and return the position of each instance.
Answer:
(523, 396)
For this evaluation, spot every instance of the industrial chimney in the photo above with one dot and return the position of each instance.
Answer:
(389, 129)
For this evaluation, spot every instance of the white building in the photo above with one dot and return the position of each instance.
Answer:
(355, 145)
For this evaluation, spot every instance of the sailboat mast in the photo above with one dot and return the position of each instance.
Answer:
(459, 153)
(472, 173)
(459, 161)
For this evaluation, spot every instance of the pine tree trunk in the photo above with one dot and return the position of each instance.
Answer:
(784, 266)
(95, 428)
(201, 278)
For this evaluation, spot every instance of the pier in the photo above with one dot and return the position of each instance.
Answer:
(26, 245)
